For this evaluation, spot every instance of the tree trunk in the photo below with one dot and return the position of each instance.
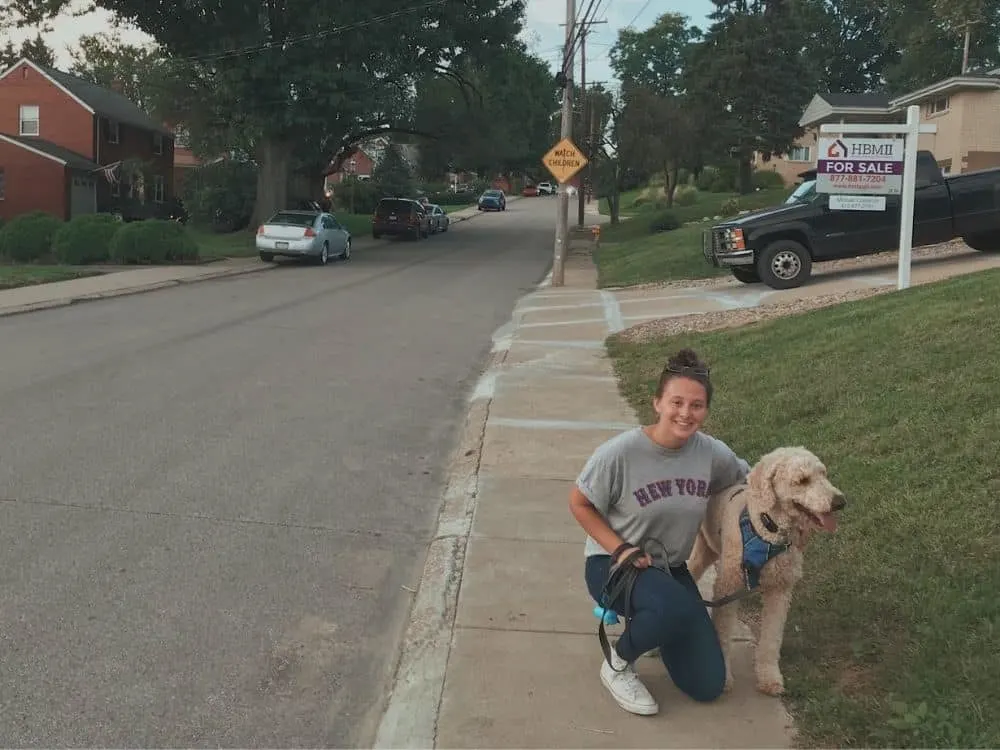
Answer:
(670, 175)
(274, 163)
(746, 175)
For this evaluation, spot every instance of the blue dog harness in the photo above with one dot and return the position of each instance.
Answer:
(757, 551)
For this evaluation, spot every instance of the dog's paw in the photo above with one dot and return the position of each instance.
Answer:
(771, 685)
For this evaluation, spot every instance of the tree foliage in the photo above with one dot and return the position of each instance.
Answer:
(393, 176)
(34, 49)
(293, 82)
(655, 59)
(496, 118)
(108, 61)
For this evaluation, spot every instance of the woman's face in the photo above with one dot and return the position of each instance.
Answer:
(682, 409)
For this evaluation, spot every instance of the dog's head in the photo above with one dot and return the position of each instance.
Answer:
(790, 487)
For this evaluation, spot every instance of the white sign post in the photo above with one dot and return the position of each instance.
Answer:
(871, 166)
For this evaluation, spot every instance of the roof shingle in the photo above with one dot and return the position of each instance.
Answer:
(72, 158)
(105, 101)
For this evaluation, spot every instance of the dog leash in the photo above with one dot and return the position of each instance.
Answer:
(621, 582)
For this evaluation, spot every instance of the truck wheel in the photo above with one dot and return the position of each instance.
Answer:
(784, 264)
(746, 275)
(984, 243)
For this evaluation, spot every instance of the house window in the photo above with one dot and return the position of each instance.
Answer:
(29, 119)
(800, 153)
(159, 189)
(939, 105)
(158, 144)
(3, 184)
(114, 134)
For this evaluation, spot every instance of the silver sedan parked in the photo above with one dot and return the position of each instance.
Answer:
(303, 234)
(438, 219)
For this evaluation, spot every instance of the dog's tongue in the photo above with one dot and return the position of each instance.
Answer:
(829, 521)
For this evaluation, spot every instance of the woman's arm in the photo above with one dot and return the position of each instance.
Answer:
(727, 468)
(593, 522)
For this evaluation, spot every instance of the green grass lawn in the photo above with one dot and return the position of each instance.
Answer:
(631, 254)
(13, 276)
(893, 635)
(657, 257)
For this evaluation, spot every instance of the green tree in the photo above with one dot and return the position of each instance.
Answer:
(296, 82)
(35, 50)
(930, 37)
(851, 41)
(655, 59)
(393, 175)
(108, 61)
(497, 119)
(752, 77)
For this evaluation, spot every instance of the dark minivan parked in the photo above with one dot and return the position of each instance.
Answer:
(400, 217)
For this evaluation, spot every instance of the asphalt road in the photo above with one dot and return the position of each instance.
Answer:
(212, 495)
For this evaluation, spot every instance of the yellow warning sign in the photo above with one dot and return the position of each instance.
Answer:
(564, 160)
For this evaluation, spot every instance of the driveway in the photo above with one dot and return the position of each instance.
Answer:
(215, 498)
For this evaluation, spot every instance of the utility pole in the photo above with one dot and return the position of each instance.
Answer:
(968, 39)
(562, 210)
(587, 113)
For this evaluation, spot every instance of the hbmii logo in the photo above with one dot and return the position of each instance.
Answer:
(837, 150)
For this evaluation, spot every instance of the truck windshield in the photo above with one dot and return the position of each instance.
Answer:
(804, 193)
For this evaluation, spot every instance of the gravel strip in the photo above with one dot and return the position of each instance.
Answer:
(656, 329)
(887, 259)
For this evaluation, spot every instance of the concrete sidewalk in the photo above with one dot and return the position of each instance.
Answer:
(502, 648)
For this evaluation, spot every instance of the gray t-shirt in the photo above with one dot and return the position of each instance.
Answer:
(645, 490)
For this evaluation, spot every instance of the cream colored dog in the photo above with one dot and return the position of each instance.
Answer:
(787, 497)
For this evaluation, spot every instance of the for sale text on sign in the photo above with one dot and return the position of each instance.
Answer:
(873, 166)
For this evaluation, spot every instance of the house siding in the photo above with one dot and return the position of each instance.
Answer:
(133, 143)
(61, 119)
(788, 169)
(31, 183)
(980, 130)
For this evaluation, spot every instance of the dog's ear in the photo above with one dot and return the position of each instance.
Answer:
(761, 483)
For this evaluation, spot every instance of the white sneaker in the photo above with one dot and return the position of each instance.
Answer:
(626, 687)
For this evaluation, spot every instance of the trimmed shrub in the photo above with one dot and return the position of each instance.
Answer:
(85, 239)
(765, 179)
(28, 238)
(153, 241)
(730, 207)
(221, 196)
(664, 222)
(686, 195)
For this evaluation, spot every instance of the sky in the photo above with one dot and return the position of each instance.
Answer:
(546, 36)
(542, 32)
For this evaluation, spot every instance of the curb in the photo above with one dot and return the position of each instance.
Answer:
(409, 718)
(127, 291)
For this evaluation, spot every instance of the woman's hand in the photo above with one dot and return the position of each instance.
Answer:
(642, 561)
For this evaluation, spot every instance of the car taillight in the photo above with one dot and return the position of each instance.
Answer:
(310, 232)
(260, 229)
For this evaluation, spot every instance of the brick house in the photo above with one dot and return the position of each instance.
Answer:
(70, 147)
(966, 110)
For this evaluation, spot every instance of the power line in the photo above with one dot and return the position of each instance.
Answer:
(281, 44)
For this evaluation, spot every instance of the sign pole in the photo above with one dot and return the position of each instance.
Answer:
(908, 195)
(562, 210)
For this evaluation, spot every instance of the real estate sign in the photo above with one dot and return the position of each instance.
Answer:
(865, 166)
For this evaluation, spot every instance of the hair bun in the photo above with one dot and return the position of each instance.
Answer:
(685, 358)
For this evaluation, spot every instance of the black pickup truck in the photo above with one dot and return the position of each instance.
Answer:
(779, 245)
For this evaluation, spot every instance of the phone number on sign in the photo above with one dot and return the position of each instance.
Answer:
(866, 182)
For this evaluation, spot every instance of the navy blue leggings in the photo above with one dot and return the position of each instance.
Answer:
(667, 613)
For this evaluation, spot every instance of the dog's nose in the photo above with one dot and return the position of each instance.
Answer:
(839, 502)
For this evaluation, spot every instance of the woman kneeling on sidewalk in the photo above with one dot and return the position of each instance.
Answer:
(654, 483)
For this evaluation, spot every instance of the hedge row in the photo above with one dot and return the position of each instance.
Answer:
(94, 238)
